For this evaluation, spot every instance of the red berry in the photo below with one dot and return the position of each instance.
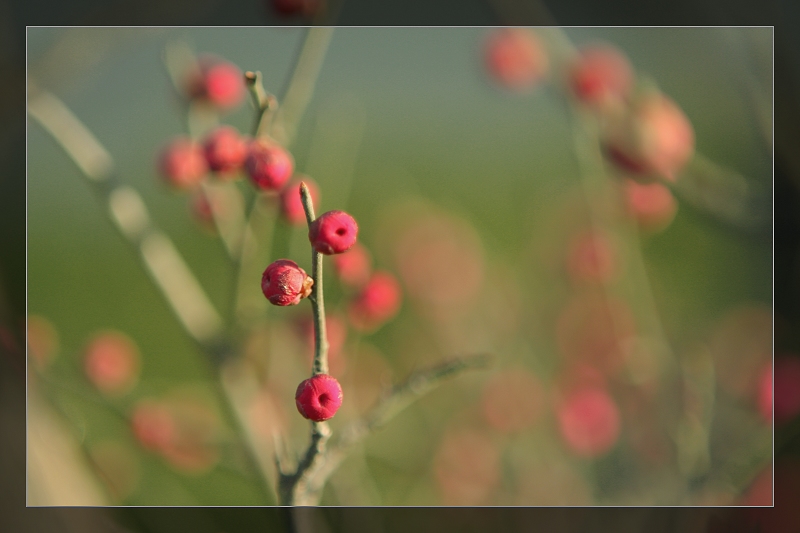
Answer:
(601, 76)
(112, 362)
(516, 58)
(217, 82)
(378, 302)
(353, 267)
(268, 165)
(654, 138)
(225, 151)
(291, 204)
(318, 398)
(285, 283)
(651, 204)
(589, 422)
(182, 163)
(333, 232)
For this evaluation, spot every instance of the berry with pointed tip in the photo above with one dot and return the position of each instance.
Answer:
(319, 397)
(291, 203)
(600, 76)
(333, 232)
(377, 302)
(225, 151)
(182, 163)
(516, 58)
(285, 283)
(268, 164)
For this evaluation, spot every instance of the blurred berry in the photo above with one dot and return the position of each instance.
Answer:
(182, 163)
(268, 165)
(600, 76)
(651, 204)
(654, 137)
(319, 397)
(376, 303)
(153, 425)
(516, 58)
(111, 362)
(225, 150)
(354, 267)
(291, 203)
(333, 232)
(285, 283)
(589, 422)
(217, 82)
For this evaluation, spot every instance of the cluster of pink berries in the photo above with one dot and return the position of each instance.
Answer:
(645, 135)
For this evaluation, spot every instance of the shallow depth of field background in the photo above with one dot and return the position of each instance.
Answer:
(405, 126)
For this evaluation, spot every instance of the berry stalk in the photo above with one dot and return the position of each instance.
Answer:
(317, 301)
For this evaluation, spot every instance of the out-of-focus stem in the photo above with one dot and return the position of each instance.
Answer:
(301, 85)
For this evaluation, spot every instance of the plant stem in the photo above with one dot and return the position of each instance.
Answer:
(316, 297)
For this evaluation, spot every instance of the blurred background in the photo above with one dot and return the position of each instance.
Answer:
(408, 131)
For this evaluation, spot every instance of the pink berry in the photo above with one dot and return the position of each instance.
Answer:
(269, 165)
(217, 82)
(591, 257)
(601, 76)
(112, 362)
(786, 390)
(516, 58)
(291, 204)
(589, 422)
(655, 137)
(225, 151)
(651, 204)
(285, 283)
(318, 398)
(182, 163)
(333, 232)
(377, 302)
(354, 267)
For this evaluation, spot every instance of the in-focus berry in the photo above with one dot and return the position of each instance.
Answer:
(111, 362)
(285, 283)
(268, 165)
(333, 232)
(600, 76)
(318, 398)
(217, 82)
(225, 151)
(354, 267)
(516, 58)
(376, 303)
(291, 204)
(182, 163)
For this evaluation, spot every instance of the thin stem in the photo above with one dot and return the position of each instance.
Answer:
(316, 297)
(262, 100)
